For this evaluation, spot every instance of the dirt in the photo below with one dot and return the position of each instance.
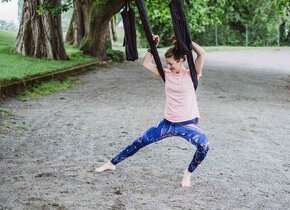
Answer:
(51, 145)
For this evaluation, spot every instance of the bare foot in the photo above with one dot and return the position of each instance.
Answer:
(106, 166)
(186, 179)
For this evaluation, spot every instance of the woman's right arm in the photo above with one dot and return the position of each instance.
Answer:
(148, 63)
(148, 59)
(199, 61)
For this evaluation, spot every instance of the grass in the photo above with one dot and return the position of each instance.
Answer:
(7, 38)
(49, 87)
(16, 126)
(4, 112)
(17, 67)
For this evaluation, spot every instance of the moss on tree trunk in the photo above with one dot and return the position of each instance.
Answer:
(100, 15)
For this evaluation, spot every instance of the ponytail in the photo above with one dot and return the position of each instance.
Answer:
(174, 51)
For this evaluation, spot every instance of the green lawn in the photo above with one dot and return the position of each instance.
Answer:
(7, 39)
(14, 66)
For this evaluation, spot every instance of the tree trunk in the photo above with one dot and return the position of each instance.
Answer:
(69, 37)
(284, 38)
(79, 25)
(40, 36)
(100, 15)
(113, 29)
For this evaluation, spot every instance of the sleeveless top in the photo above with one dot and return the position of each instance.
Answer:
(181, 102)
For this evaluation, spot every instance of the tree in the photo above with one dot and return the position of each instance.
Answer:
(40, 35)
(101, 13)
(240, 21)
(283, 9)
(198, 15)
(113, 28)
(89, 26)
(79, 24)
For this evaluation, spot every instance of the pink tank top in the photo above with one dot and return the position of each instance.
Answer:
(181, 103)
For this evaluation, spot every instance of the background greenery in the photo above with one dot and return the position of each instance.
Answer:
(224, 22)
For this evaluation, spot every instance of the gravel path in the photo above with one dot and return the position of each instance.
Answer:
(50, 146)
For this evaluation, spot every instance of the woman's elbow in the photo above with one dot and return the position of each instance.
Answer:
(146, 65)
(201, 52)
(199, 75)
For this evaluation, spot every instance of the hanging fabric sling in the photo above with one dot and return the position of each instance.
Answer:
(182, 35)
(148, 33)
(130, 43)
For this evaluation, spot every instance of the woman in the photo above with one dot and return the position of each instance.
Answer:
(181, 111)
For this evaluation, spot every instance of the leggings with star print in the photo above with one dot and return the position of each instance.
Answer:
(187, 130)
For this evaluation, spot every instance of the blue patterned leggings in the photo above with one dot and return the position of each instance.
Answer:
(187, 130)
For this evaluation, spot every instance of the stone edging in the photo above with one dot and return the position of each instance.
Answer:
(14, 87)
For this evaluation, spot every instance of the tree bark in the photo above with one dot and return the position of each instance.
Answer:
(40, 36)
(79, 25)
(284, 38)
(69, 37)
(100, 15)
(113, 29)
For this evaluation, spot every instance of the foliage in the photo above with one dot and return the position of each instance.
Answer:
(47, 5)
(231, 18)
(159, 18)
(115, 55)
(198, 15)
(54, 9)
(261, 23)
(283, 9)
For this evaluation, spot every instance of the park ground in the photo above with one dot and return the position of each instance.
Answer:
(51, 145)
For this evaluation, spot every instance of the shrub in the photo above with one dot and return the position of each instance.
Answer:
(115, 55)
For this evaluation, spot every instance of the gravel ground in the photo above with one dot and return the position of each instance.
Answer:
(50, 146)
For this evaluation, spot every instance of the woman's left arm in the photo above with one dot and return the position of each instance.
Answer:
(199, 61)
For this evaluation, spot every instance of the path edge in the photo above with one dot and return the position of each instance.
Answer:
(12, 88)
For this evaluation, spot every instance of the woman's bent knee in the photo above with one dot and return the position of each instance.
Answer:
(202, 143)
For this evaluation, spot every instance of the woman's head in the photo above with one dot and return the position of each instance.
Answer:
(174, 53)
(174, 58)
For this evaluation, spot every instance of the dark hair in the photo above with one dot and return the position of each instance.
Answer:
(174, 52)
